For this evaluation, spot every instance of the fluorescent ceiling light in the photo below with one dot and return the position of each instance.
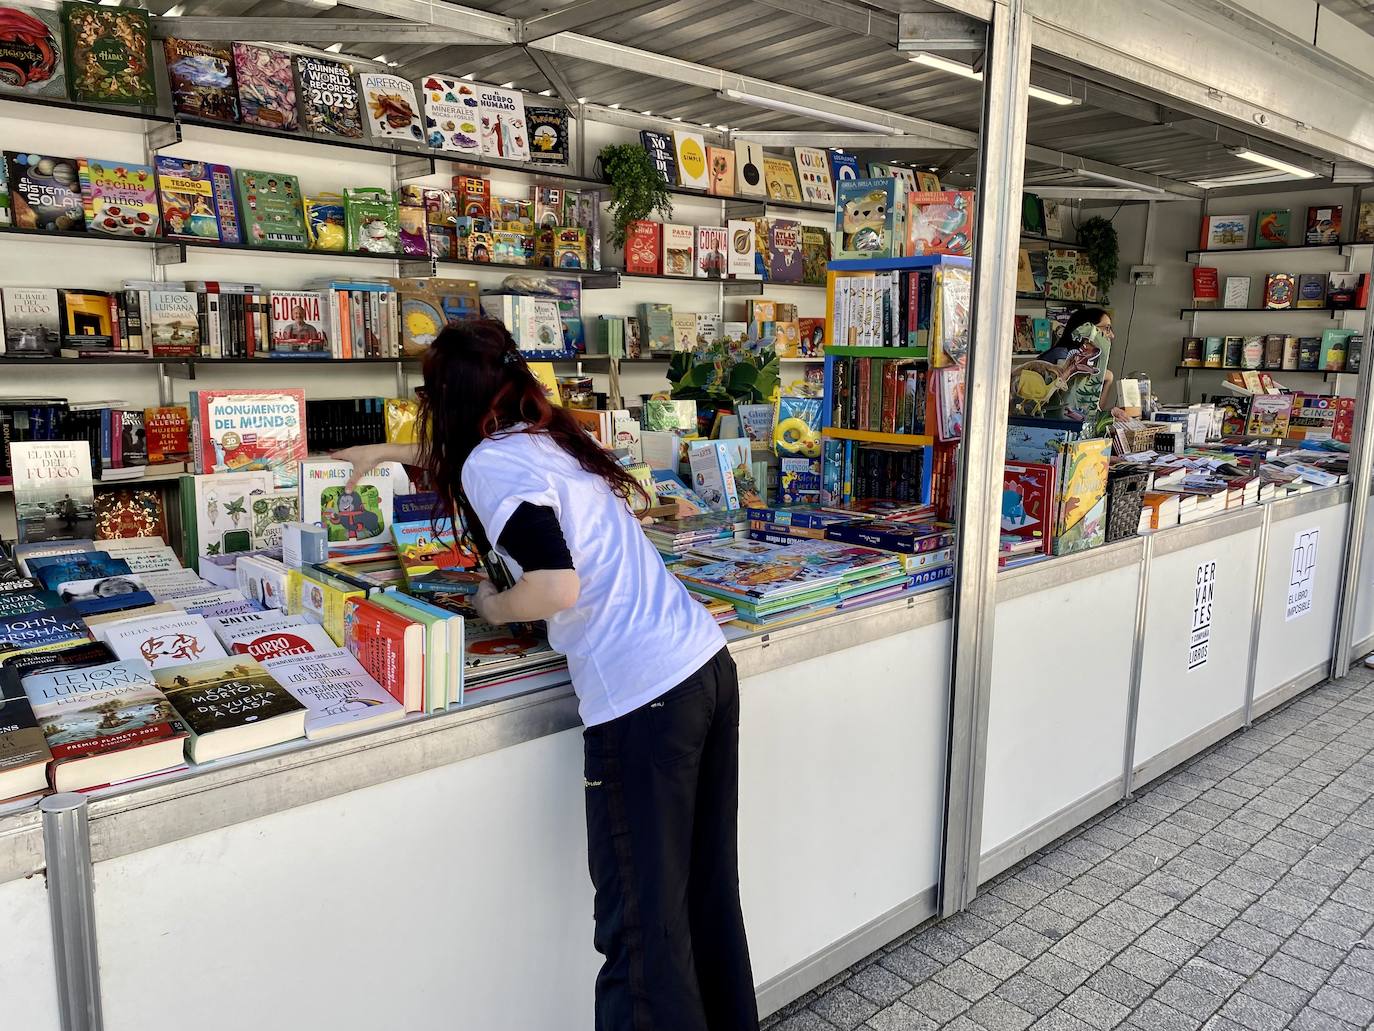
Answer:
(1272, 162)
(802, 109)
(546, 92)
(581, 100)
(944, 64)
(506, 85)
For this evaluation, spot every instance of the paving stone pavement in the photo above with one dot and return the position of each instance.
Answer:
(1234, 894)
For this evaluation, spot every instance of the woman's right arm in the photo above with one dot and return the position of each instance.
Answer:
(366, 457)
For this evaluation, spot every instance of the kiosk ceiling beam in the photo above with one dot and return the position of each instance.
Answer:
(309, 30)
(479, 24)
(950, 31)
(578, 15)
(863, 21)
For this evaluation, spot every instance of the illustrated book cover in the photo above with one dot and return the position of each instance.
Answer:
(201, 77)
(33, 48)
(266, 87)
(230, 706)
(249, 430)
(119, 198)
(109, 55)
(329, 99)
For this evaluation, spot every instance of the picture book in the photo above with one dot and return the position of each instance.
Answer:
(1272, 227)
(940, 223)
(270, 206)
(784, 251)
(1225, 232)
(452, 120)
(1028, 501)
(504, 131)
(813, 173)
(45, 193)
(104, 723)
(815, 254)
(393, 112)
(329, 99)
(1268, 415)
(300, 324)
(201, 77)
(661, 154)
(163, 640)
(355, 517)
(186, 195)
(843, 166)
(1324, 224)
(1081, 510)
(338, 694)
(865, 218)
(426, 540)
(31, 40)
(781, 180)
(548, 128)
(32, 322)
(41, 629)
(119, 199)
(54, 498)
(890, 535)
(109, 56)
(690, 150)
(720, 162)
(266, 87)
(174, 323)
(749, 180)
(249, 430)
(230, 706)
(125, 513)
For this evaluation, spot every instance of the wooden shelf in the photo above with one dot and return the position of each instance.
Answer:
(873, 437)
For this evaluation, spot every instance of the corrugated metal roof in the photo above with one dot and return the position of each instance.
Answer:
(754, 38)
(1358, 12)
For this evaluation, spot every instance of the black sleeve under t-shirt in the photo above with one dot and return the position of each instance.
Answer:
(534, 539)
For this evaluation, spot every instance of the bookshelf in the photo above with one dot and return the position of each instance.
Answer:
(1339, 248)
(1323, 310)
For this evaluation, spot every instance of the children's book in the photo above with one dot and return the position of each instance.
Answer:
(940, 223)
(1028, 501)
(1268, 416)
(548, 134)
(781, 180)
(266, 87)
(784, 251)
(393, 112)
(843, 166)
(31, 40)
(452, 120)
(813, 171)
(45, 193)
(270, 206)
(329, 98)
(187, 195)
(353, 518)
(504, 131)
(1081, 511)
(434, 557)
(119, 198)
(109, 55)
(865, 218)
(201, 76)
(249, 430)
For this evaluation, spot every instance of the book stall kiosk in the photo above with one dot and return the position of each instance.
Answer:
(893, 757)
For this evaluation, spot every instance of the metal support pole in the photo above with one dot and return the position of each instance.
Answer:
(1257, 613)
(67, 844)
(987, 386)
(1361, 468)
(1142, 601)
(402, 387)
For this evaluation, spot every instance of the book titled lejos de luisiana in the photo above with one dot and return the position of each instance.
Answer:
(54, 495)
(230, 706)
(104, 723)
(174, 323)
(300, 324)
(249, 430)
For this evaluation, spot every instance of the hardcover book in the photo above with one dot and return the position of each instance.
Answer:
(201, 77)
(548, 134)
(1272, 228)
(1028, 495)
(1225, 232)
(721, 164)
(1192, 352)
(784, 251)
(643, 247)
(749, 180)
(270, 204)
(119, 199)
(865, 218)
(426, 541)
(266, 88)
(54, 497)
(129, 512)
(1324, 224)
(338, 694)
(45, 193)
(1309, 354)
(32, 322)
(452, 120)
(351, 518)
(740, 261)
(1343, 290)
(1268, 415)
(843, 166)
(1332, 355)
(781, 180)
(1279, 289)
(168, 432)
(300, 324)
(31, 40)
(1081, 511)
(393, 112)
(677, 250)
(690, 150)
(813, 173)
(940, 223)
(661, 154)
(389, 647)
(1206, 287)
(815, 254)
(329, 98)
(505, 133)
(109, 55)
(1237, 292)
(712, 251)
(87, 322)
(1364, 223)
(230, 706)
(163, 640)
(249, 430)
(186, 193)
(104, 723)
(1311, 291)
(174, 324)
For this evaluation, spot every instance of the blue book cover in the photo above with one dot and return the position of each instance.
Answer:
(62, 568)
(37, 629)
(843, 166)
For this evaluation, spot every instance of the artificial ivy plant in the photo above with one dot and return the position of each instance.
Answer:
(724, 375)
(637, 188)
(1097, 239)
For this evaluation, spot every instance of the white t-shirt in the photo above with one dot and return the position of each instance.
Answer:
(634, 632)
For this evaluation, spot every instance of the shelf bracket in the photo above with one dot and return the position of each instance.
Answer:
(161, 136)
(417, 268)
(741, 287)
(609, 280)
(413, 166)
(169, 254)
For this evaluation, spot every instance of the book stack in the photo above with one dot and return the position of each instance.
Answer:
(679, 536)
(887, 395)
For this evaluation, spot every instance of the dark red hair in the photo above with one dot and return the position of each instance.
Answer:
(476, 386)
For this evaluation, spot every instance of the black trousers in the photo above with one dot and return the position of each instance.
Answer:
(662, 786)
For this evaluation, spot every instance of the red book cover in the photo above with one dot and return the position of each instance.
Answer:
(247, 430)
(1028, 502)
(474, 196)
(168, 432)
(913, 308)
(865, 371)
(1344, 425)
(890, 391)
(1362, 293)
(1206, 287)
(377, 638)
(940, 223)
(642, 247)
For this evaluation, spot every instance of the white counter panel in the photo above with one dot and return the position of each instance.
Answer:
(28, 978)
(429, 902)
(841, 793)
(1057, 730)
(1177, 703)
(1291, 648)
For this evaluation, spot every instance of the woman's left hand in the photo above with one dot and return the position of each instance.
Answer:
(483, 601)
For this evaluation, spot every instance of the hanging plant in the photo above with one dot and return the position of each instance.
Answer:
(1097, 238)
(637, 188)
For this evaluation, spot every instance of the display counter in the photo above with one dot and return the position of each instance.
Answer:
(444, 857)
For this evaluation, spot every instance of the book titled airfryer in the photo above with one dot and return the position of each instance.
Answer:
(249, 430)
(393, 112)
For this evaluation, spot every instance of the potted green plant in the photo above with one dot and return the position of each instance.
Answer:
(637, 188)
(1097, 239)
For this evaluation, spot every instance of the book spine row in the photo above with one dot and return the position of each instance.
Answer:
(331, 425)
(885, 395)
(882, 309)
